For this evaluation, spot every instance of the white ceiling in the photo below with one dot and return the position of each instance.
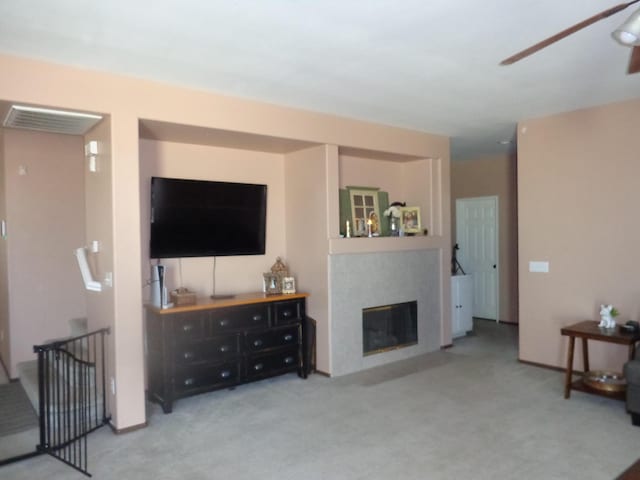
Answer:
(426, 65)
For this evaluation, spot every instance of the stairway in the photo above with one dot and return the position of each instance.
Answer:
(66, 386)
(66, 375)
(28, 374)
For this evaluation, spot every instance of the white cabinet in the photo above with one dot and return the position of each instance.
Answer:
(461, 305)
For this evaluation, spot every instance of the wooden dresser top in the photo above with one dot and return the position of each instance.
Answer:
(206, 303)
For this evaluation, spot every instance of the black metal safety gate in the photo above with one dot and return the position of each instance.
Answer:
(72, 396)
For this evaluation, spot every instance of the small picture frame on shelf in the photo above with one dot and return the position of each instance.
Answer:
(271, 283)
(288, 285)
(410, 219)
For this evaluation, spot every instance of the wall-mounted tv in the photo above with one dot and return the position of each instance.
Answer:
(199, 218)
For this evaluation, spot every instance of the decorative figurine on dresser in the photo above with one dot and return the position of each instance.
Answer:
(221, 343)
(277, 280)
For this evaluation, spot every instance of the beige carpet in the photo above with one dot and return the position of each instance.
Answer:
(471, 412)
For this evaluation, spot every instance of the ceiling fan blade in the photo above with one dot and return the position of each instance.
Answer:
(634, 62)
(565, 33)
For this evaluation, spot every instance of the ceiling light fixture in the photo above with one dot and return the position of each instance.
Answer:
(628, 33)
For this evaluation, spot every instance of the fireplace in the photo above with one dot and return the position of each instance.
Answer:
(389, 327)
(356, 283)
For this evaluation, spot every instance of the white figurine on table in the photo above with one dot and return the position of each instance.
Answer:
(606, 317)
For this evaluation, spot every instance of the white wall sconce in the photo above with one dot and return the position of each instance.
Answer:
(91, 152)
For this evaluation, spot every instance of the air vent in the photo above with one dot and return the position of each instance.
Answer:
(53, 121)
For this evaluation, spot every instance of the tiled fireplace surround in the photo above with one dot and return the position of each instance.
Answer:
(372, 279)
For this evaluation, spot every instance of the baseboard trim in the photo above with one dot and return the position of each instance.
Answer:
(320, 372)
(506, 322)
(513, 324)
(446, 347)
(542, 365)
(133, 428)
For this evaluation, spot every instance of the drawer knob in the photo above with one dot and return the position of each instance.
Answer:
(188, 382)
(258, 366)
(188, 355)
(224, 322)
(257, 317)
(288, 337)
(287, 313)
(257, 343)
(288, 360)
(225, 348)
(187, 328)
(225, 374)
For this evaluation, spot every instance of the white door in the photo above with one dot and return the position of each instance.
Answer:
(477, 239)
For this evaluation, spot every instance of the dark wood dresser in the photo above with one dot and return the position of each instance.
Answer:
(218, 344)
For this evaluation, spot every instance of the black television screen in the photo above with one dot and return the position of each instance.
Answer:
(198, 218)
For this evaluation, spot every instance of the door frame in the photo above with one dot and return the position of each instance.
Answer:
(496, 206)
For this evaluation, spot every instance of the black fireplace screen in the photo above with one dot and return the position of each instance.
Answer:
(389, 326)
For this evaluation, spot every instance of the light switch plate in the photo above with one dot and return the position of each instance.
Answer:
(539, 267)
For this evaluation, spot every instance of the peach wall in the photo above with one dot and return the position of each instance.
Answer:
(488, 176)
(45, 222)
(307, 193)
(441, 182)
(174, 160)
(365, 172)
(577, 209)
(54, 85)
(127, 301)
(418, 191)
(99, 226)
(127, 101)
(5, 331)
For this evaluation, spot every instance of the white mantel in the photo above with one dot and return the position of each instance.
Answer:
(383, 244)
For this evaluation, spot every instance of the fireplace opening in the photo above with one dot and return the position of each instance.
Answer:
(388, 327)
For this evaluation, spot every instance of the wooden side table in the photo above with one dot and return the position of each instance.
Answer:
(589, 330)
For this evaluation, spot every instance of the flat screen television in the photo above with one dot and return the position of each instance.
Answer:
(199, 218)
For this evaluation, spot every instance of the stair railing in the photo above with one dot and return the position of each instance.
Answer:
(72, 385)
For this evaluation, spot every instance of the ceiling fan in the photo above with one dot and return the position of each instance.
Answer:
(627, 34)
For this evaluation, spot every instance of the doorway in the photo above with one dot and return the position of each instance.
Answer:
(477, 239)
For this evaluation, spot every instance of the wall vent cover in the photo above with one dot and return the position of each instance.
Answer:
(47, 120)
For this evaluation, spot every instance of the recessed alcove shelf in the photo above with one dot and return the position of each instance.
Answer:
(306, 198)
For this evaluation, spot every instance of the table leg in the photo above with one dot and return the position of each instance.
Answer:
(568, 373)
(632, 351)
(585, 355)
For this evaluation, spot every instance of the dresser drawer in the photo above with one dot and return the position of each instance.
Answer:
(217, 348)
(238, 318)
(207, 376)
(189, 326)
(264, 365)
(264, 340)
(288, 312)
